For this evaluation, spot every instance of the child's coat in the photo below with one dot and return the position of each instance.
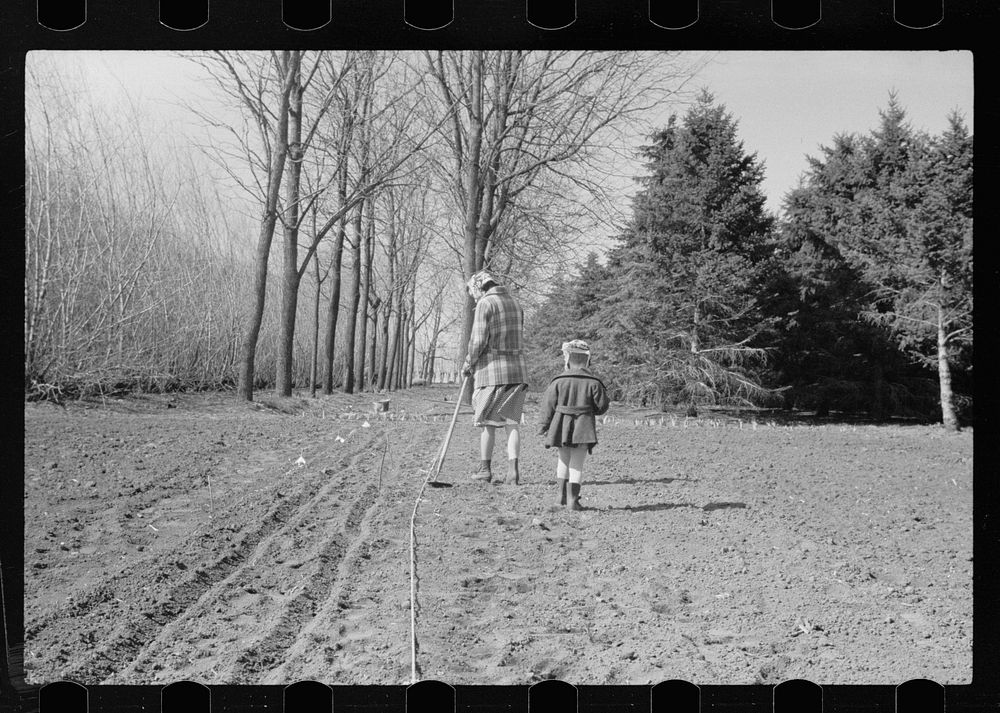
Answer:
(570, 404)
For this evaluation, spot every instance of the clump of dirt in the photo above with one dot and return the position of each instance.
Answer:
(196, 537)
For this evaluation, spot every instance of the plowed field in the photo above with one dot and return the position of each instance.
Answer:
(193, 537)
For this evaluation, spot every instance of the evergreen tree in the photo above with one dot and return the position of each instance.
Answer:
(682, 312)
(825, 356)
(892, 212)
(925, 294)
(566, 313)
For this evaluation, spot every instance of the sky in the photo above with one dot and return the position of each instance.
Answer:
(786, 103)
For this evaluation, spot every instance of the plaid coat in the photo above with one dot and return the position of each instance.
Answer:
(495, 351)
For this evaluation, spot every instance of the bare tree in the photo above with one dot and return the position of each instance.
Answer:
(364, 298)
(405, 249)
(317, 297)
(376, 131)
(263, 86)
(350, 325)
(521, 116)
(110, 263)
(329, 83)
(374, 308)
(275, 110)
(291, 277)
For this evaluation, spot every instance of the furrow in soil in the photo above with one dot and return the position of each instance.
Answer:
(146, 624)
(264, 579)
(269, 652)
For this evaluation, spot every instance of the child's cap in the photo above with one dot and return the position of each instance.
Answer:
(575, 346)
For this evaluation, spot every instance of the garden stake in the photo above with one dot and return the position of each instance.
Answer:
(384, 451)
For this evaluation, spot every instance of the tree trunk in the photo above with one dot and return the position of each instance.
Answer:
(290, 267)
(244, 388)
(314, 365)
(473, 188)
(384, 323)
(370, 381)
(335, 279)
(390, 299)
(392, 370)
(364, 296)
(412, 332)
(350, 326)
(432, 349)
(398, 344)
(404, 354)
(396, 302)
(948, 416)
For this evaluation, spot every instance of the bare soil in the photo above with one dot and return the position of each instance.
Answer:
(194, 537)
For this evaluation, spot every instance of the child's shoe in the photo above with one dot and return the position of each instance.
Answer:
(574, 497)
(484, 472)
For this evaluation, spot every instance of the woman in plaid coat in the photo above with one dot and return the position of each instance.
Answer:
(495, 360)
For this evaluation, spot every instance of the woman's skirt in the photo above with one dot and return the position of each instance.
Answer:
(499, 405)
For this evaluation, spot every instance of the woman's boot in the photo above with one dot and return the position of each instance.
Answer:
(484, 472)
(574, 497)
(562, 490)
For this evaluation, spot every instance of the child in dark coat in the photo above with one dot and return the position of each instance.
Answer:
(568, 421)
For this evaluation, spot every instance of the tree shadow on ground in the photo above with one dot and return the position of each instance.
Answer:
(648, 508)
(789, 417)
(637, 481)
(722, 506)
(653, 507)
(767, 416)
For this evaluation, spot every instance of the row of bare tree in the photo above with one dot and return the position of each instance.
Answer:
(114, 290)
(388, 179)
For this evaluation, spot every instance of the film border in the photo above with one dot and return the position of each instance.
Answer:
(599, 25)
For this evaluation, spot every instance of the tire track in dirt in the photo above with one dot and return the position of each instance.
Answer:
(83, 604)
(474, 591)
(226, 599)
(77, 608)
(127, 501)
(337, 599)
(146, 625)
(360, 634)
(269, 652)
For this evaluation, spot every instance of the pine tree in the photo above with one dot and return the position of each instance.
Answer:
(893, 209)
(683, 309)
(566, 313)
(926, 296)
(825, 356)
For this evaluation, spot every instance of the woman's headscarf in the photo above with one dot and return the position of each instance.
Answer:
(479, 279)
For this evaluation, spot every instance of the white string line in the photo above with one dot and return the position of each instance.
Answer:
(413, 571)
(432, 471)
(413, 587)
